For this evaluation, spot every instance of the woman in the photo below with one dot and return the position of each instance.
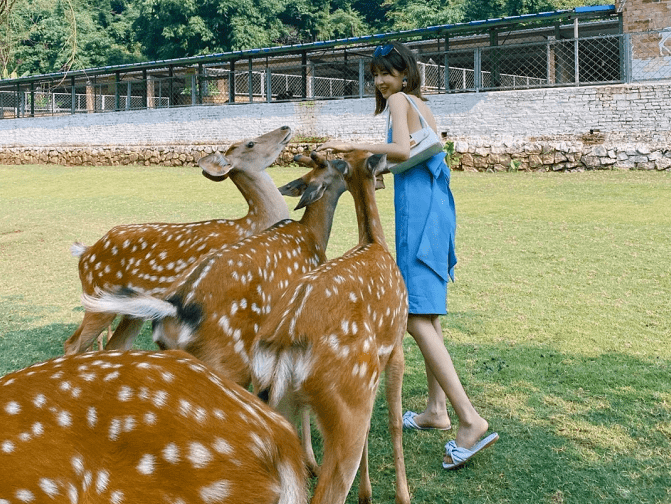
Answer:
(425, 228)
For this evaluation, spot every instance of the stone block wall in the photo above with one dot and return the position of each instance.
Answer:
(618, 126)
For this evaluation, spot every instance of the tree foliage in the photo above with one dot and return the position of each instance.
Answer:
(43, 36)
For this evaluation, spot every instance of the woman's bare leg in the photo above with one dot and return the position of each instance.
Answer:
(438, 361)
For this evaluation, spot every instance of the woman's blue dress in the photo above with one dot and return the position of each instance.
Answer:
(425, 230)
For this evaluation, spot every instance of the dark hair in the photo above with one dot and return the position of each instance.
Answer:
(400, 59)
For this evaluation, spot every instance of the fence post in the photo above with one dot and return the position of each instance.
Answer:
(171, 77)
(129, 88)
(576, 70)
(193, 89)
(231, 83)
(269, 90)
(73, 96)
(362, 76)
(32, 99)
(477, 68)
(304, 73)
(250, 81)
(446, 64)
(627, 57)
(117, 94)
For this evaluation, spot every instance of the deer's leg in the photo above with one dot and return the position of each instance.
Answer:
(101, 337)
(365, 490)
(125, 334)
(306, 437)
(344, 438)
(92, 325)
(394, 382)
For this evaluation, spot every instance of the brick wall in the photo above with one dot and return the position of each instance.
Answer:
(631, 124)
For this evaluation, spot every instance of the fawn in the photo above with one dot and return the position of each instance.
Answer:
(141, 427)
(330, 337)
(150, 257)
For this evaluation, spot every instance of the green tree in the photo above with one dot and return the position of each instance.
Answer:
(412, 14)
(44, 36)
(178, 28)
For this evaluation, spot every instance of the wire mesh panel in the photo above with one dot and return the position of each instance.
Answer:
(335, 79)
(514, 67)
(650, 55)
(9, 104)
(461, 70)
(286, 83)
(470, 64)
(599, 59)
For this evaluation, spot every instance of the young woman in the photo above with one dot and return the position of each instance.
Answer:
(425, 229)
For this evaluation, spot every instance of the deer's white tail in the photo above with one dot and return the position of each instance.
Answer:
(279, 372)
(130, 303)
(77, 249)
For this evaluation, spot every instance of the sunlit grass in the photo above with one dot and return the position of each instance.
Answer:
(559, 322)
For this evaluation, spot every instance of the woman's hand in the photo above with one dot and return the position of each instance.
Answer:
(336, 146)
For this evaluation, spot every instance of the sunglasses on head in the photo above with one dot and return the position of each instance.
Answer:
(383, 50)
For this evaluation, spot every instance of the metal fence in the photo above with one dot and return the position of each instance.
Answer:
(339, 73)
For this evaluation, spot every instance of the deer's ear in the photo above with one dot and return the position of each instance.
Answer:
(377, 164)
(215, 166)
(311, 194)
(294, 188)
(304, 161)
(342, 166)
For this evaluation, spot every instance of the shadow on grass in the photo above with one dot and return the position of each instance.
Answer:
(20, 348)
(573, 428)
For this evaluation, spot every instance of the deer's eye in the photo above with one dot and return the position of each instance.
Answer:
(250, 145)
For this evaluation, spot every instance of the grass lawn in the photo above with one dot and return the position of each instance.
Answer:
(559, 322)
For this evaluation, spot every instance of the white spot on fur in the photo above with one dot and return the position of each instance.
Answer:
(48, 487)
(64, 419)
(146, 465)
(199, 455)
(222, 446)
(125, 394)
(25, 495)
(37, 429)
(215, 492)
(12, 408)
(102, 481)
(171, 453)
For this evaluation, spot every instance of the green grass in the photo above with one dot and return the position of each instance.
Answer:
(559, 322)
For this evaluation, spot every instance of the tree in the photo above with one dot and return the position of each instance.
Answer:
(44, 36)
(178, 28)
(412, 14)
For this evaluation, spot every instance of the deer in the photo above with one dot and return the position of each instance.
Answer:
(327, 341)
(215, 309)
(140, 426)
(150, 257)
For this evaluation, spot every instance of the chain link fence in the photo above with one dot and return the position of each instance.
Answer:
(343, 72)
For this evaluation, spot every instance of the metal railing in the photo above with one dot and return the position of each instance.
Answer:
(344, 73)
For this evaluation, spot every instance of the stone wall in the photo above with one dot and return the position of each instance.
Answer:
(618, 126)
(116, 155)
(592, 151)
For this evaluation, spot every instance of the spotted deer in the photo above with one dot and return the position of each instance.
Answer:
(150, 257)
(140, 427)
(214, 311)
(330, 337)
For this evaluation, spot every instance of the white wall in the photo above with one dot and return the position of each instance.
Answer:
(639, 109)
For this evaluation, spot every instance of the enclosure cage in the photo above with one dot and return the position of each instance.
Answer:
(563, 48)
